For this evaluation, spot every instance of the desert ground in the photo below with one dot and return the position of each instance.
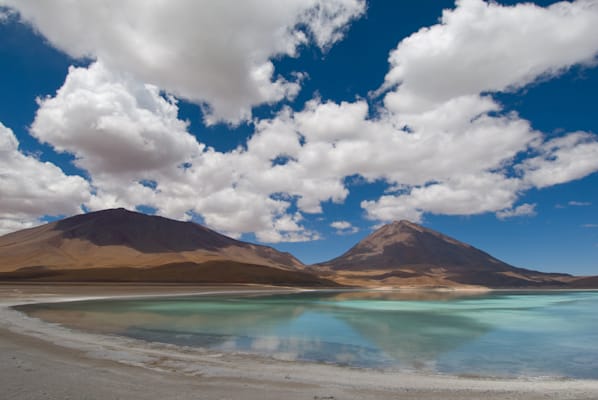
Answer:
(39, 360)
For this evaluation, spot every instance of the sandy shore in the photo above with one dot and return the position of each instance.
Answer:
(39, 360)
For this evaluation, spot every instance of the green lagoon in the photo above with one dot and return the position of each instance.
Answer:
(498, 334)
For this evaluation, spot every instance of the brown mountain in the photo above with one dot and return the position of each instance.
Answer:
(121, 245)
(406, 254)
(124, 246)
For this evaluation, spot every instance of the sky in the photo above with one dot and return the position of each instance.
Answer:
(307, 124)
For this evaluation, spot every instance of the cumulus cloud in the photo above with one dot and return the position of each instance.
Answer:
(341, 225)
(128, 138)
(527, 210)
(30, 188)
(562, 159)
(344, 227)
(483, 46)
(452, 150)
(438, 86)
(215, 53)
(113, 124)
(461, 195)
(120, 131)
(326, 142)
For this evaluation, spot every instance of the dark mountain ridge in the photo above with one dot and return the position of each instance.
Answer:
(145, 233)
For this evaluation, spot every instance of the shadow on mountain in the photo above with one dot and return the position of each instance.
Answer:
(145, 233)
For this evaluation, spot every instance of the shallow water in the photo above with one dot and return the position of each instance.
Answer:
(495, 334)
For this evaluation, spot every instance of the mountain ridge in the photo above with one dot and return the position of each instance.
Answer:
(405, 253)
(149, 237)
(118, 245)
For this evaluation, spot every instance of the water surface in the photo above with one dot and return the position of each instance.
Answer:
(496, 334)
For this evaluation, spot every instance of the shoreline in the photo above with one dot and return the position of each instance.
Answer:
(236, 375)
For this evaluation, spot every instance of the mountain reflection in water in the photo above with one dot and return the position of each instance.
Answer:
(436, 331)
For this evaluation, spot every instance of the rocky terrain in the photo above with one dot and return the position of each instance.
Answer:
(407, 254)
(118, 245)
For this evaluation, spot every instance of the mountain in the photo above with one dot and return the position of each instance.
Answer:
(121, 245)
(406, 254)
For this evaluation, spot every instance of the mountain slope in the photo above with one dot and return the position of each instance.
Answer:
(123, 246)
(406, 254)
(100, 244)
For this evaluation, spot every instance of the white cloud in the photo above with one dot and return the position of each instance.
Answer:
(216, 53)
(30, 188)
(461, 195)
(326, 142)
(124, 134)
(580, 203)
(113, 124)
(455, 152)
(341, 225)
(462, 142)
(119, 130)
(590, 225)
(483, 46)
(524, 210)
(344, 227)
(562, 159)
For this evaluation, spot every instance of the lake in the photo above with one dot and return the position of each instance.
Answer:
(498, 334)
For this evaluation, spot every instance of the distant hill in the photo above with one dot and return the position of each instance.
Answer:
(406, 254)
(121, 245)
(118, 245)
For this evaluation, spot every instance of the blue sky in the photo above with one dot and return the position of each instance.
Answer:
(307, 126)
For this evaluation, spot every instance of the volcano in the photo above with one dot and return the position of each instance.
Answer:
(407, 254)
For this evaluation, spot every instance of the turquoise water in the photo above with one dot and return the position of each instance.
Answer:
(497, 334)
